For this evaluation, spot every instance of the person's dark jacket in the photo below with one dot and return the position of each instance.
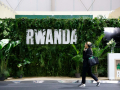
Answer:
(86, 55)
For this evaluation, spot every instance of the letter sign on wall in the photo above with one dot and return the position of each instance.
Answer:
(46, 37)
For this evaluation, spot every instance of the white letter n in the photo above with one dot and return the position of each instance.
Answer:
(57, 36)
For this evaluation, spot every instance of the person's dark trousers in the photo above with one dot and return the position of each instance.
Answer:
(89, 71)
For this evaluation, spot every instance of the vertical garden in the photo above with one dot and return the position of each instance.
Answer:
(51, 59)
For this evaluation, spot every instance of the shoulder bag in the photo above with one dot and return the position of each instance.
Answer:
(93, 61)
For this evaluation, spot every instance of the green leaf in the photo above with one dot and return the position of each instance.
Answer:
(3, 42)
(99, 39)
(0, 46)
(78, 58)
(77, 51)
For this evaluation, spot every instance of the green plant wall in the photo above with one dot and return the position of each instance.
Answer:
(51, 60)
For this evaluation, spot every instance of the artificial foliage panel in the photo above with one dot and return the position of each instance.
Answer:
(47, 59)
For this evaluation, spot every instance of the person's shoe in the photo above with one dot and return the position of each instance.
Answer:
(82, 85)
(98, 84)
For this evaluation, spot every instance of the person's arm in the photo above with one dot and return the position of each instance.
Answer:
(84, 53)
(87, 54)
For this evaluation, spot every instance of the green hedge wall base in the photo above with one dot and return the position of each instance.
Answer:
(52, 60)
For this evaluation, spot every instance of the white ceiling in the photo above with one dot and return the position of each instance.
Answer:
(62, 5)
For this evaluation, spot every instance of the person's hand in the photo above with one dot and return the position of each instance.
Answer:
(84, 49)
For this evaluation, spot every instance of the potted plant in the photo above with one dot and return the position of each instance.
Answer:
(20, 73)
(111, 44)
(4, 74)
(5, 46)
(3, 62)
(98, 52)
(77, 59)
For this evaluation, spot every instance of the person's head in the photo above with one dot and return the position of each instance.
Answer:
(88, 45)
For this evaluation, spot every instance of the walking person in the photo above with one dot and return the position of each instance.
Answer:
(87, 53)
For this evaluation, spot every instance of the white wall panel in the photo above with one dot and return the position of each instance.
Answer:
(44, 5)
(101, 5)
(6, 12)
(80, 7)
(28, 5)
(115, 4)
(10, 3)
(63, 5)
